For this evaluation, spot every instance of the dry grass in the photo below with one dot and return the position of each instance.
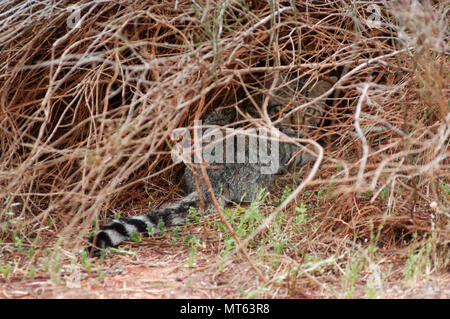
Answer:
(87, 112)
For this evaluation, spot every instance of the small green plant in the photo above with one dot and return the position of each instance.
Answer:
(47, 260)
(162, 228)
(102, 256)
(354, 266)
(135, 237)
(420, 261)
(94, 229)
(373, 245)
(248, 294)
(56, 263)
(32, 272)
(5, 270)
(249, 220)
(193, 216)
(85, 261)
(385, 193)
(286, 192)
(120, 251)
(278, 247)
(192, 242)
(30, 253)
(101, 274)
(18, 243)
(175, 235)
(301, 217)
(321, 192)
(150, 230)
(367, 195)
(446, 187)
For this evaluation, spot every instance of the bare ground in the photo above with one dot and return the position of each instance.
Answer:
(164, 273)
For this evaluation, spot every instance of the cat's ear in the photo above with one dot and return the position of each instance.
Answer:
(321, 87)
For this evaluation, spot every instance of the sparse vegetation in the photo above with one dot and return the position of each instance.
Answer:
(90, 93)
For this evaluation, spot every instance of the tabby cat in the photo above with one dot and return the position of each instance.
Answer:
(238, 177)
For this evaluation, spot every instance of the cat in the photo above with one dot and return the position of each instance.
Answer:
(238, 160)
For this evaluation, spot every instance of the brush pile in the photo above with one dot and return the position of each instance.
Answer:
(91, 91)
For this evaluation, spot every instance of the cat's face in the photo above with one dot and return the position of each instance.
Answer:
(291, 93)
(285, 100)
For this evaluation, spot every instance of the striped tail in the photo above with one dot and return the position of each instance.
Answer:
(119, 230)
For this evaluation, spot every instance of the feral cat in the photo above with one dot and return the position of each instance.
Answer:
(235, 167)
